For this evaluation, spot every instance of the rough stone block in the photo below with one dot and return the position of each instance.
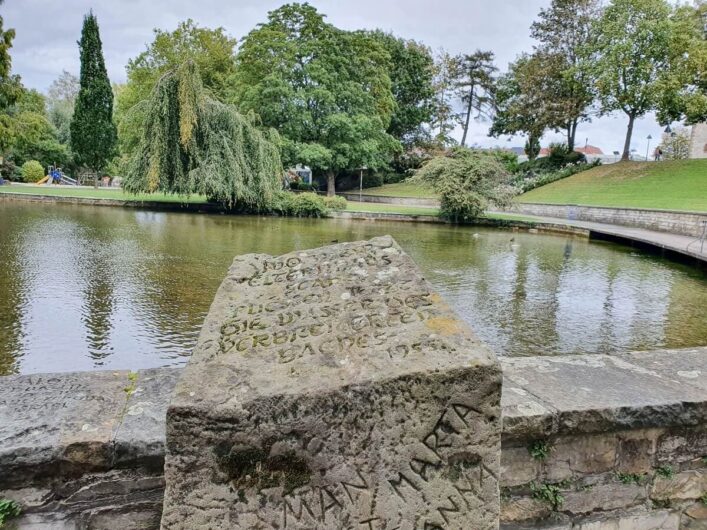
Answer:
(595, 393)
(636, 450)
(518, 467)
(687, 485)
(576, 456)
(140, 436)
(603, 497)
(662, 520)
(332, 388)
(51, 422)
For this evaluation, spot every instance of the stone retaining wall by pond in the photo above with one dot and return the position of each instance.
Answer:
(591, 443)
(676, 222)
(380, 199)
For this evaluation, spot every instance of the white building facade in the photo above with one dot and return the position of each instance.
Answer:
(698, 144)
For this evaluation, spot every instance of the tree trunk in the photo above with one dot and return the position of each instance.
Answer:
(330, 183)
(629, 132)
(468, 114)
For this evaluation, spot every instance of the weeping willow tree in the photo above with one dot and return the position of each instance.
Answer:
(193, 144)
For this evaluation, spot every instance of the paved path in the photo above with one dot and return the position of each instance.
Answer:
(685, 245)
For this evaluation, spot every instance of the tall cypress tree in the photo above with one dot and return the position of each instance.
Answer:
(93, 133)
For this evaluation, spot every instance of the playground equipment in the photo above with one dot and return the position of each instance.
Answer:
(56, 176)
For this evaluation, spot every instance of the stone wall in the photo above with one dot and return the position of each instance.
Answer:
(698, 141)
(380, 199)
(85, 450)
(622, 440)
(605, 443)
(686, 223)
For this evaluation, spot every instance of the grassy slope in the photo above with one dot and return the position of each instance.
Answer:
(670, 185)
(99, 193)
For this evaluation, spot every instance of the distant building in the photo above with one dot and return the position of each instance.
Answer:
(698, 141)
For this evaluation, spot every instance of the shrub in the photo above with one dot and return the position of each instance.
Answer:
(526, 183)
(467, 182)
(32, 171)
(559, 157)
(393, 178)
(299, 205)
(372, 180)
(302, 186)
(336, 204)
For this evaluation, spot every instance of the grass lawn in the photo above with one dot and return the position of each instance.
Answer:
(401, 189)
(669, 185)
(100, 193)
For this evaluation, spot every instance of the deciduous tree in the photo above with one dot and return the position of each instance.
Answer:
(632, 53)
(522, 105)
(192, 143)
(565, 34)
(411, 74)
(327, 91)
(683, 92)
(467, 182)
(444, 118)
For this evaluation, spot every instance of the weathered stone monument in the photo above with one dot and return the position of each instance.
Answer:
(333, 389)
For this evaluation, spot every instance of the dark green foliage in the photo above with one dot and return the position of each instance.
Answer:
(93, 133)
(302, 186)
(8, 510)
(467, 182)
(665, 471)
(558, 158)
(194, 144)
(529, 180)
(411, 74)
(327, 91)
(391, 177)
(548, 493)
(629, 478)
(10, 85)
(539, 449)
(299, 205)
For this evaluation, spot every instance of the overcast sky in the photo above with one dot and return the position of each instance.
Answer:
(47, 31)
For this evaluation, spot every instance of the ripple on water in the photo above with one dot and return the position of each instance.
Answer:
(87, 288)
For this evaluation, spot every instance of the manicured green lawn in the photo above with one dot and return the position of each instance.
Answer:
(669, 185)
(401, 189)
(100, 193)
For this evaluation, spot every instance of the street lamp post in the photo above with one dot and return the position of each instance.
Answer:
(360, 183)
(648, 146)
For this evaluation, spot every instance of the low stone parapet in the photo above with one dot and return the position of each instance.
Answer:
(600, 442)
(594, 441)
(85, 450)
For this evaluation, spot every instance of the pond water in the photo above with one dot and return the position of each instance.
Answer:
(85, 288)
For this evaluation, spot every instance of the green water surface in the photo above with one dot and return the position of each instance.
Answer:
(85, 288)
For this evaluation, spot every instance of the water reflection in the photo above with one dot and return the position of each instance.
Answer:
(87, 287)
